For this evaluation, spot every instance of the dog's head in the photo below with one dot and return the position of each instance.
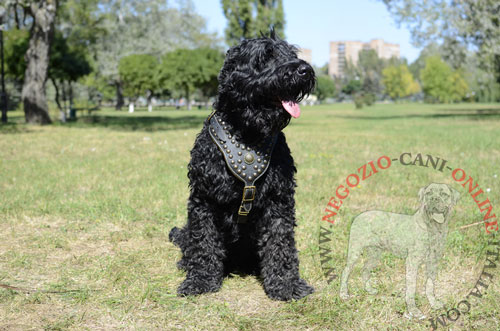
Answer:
(438, 200)
(261, 83)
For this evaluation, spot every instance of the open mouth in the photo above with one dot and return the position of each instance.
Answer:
(438, 217)
(292, 108)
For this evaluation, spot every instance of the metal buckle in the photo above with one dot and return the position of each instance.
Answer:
(242, 211)
(250, 190)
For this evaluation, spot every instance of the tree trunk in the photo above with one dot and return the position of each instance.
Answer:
(62, 112)
(37, 62)
(149, 96)
(119, 96)
(188, 100)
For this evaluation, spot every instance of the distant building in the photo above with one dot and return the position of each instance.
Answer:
(343, 51)
(305, 54)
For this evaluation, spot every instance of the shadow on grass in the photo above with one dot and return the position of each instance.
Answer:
(466, 113)
(138, 123)
(12, 128)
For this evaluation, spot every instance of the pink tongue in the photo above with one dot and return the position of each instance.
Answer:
(292, 108)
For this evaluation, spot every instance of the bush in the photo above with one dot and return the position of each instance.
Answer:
(358, 101)
(369, 99)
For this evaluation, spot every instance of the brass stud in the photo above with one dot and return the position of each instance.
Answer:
(239, 153)
(259, 171)
(225, 146)
(243, 167)
(220, 120)
(215, 134)
(243, 175)
(237, 145)
(223, 123)
(256, 167)
(242, 146)
(262, 166)
(259, 160)
(232, 141)
(249, 149)
(235, 166)
(265, 161)
(255, 174)
(249, 158)
(228, 151)
(258, 153)
(239, 171)
(250, 178)
(232, 161)
(239, 160)
(229, 136)
(225, 128)
(231, 156)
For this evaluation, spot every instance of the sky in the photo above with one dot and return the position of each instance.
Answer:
(314, 23)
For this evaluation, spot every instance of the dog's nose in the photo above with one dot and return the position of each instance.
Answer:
(302, 70)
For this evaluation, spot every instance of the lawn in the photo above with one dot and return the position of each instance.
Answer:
(86, 208)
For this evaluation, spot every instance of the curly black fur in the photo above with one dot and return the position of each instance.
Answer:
(256, 76)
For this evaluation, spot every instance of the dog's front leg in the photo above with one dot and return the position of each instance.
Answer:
(203, 251)
(431, 270)
(279, 260)
(412, 264)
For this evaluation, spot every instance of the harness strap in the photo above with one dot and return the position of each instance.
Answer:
(247, 163)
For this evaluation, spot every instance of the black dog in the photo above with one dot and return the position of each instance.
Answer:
(260, 84)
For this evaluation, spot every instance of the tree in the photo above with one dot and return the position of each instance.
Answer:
(457, 24)
(146, 27)
(399, 82)
(66, 67)
(138, 73)
(185, 70)
(248, 18)
(441, 83)
(213, 60)
(42, 16)
(325, 87)
(352, 87)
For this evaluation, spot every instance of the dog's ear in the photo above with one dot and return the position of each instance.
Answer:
(455, 195)
(421, 194)
(272, 33)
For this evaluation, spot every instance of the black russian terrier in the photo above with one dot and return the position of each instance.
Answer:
(241, 208)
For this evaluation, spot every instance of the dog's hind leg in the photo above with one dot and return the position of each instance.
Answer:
(372, 259)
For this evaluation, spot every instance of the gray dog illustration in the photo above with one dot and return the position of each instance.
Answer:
(419, 238)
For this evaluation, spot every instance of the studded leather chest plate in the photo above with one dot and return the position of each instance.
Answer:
(247, 163)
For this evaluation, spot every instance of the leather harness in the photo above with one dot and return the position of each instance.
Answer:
(245, 163)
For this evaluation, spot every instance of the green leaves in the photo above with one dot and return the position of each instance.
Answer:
(325, 87)
(441, 83)
(399, 82)
(189, 69)
(138, 73)
(248, 18)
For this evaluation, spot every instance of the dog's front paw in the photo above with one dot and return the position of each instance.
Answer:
(414, 313)
(285, 291)
(436, 304)
(196, 286)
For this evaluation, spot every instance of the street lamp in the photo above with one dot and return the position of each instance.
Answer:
(3, 94)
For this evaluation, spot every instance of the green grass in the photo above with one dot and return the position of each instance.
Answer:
(87, 206)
